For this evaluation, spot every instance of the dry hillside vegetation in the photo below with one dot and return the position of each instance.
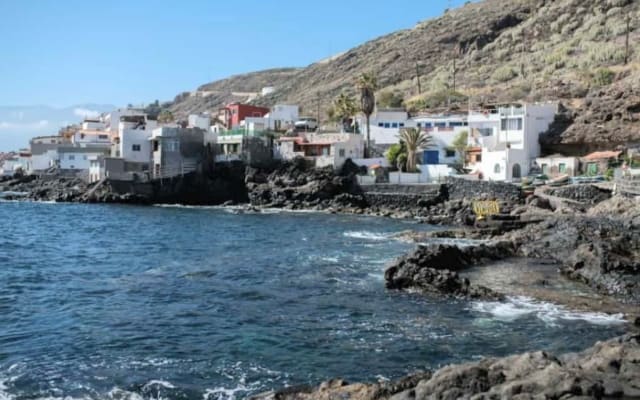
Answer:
(504, 50)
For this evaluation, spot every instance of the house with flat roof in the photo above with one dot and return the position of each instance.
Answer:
(506, 138)
(321, 149)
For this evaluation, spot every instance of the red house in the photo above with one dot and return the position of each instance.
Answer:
(235, 113)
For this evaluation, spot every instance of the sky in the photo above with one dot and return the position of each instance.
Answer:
(73, 53)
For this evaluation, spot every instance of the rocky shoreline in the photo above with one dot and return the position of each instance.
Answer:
(607, 370)
(582, 234)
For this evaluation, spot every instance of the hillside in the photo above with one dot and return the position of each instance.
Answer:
(504, 50)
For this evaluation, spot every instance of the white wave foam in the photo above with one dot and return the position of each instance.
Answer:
(4, 395)
(155, 383)
(520, 306)
(366, 235)
(222, 393)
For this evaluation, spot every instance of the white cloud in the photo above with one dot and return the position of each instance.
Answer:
(86, 113)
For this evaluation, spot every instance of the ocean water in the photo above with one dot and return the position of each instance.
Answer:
(122, 302)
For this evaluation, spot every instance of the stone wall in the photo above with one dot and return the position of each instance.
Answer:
(403, 196)
(476, 190)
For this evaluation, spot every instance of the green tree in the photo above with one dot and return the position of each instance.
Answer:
(414, 139)
(460, 144)
(367, 83)
(395, 152)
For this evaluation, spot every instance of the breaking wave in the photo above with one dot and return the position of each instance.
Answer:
(520, 306)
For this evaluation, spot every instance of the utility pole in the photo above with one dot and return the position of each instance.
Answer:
(455, 71)
(418, 78)
(626, 42)
(318, 110)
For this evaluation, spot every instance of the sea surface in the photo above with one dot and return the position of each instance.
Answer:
(124, 302)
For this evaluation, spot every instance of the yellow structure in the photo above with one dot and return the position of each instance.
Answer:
(483, 208)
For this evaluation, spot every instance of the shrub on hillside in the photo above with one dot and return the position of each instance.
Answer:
(389, 99)
(504, 74)
(603, 77)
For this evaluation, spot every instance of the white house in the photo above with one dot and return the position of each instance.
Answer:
(557, 164)
(10, 166)
(322, 149)
(132, 143)
(385, 125)
(93, 124)
(443, 130)
(91, 138)
(507, 136)
(282, 117)
(44, 152)
(78, 158)
(112, 119)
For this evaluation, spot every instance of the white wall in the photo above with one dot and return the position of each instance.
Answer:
(385, 126)
(572, 165)
(83, 139)
(8, 167)
(506, 159)
(46, 160)
(368, 162)
(77, 160)
(442, 140)
(199, 121)
(284, 115)
(131, 137)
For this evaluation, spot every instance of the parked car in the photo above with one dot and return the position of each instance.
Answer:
(307, 124)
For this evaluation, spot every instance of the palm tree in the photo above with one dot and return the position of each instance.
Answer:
(414, 139)
(367, 84)
(344, 107)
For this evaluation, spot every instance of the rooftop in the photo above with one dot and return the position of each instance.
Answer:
(601, 155)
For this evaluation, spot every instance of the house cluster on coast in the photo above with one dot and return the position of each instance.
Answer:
(502, 144)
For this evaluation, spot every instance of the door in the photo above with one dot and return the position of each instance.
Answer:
(516, 173)
(430, 157)
(592, 169)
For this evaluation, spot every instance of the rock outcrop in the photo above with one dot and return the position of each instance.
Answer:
(434, 269)
(295, 185)
(609, 369)
(599, 251)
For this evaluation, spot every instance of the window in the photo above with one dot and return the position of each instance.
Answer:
(455, 123)
(440, 124)
(419, 124)
(562, 168)
(341, 153)
(449, 153)
(428, 125)
(394, 125)
(82, 136)
(545, 169)
(511, 124)
(387, 125)
(135, 147)
(103, 137)
(401, 124)
(478, 157)
(496, 168)
(84, 158)
(380, 124)
(71, 157)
